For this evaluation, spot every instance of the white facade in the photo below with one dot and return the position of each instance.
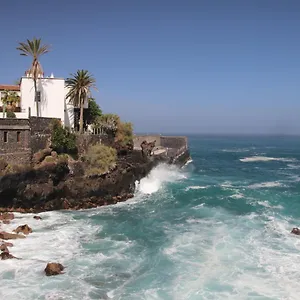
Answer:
(53, 102)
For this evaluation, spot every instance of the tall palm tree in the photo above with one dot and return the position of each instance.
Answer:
(80, 85)
(35, 49)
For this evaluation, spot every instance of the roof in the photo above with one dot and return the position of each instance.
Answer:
(9, 87)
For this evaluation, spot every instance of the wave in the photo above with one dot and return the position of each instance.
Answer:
(266, 158)
(195, 187)
(159, 176)
(239, 150)
(268, 205)
(269, 184)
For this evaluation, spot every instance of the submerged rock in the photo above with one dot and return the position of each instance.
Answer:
(54, 269)
(24, 229)
(37, 218)
(296, 231)
(10, 236)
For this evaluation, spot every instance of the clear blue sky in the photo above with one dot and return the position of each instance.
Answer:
(171, 66)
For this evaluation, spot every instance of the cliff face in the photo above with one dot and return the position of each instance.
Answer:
(64, 186)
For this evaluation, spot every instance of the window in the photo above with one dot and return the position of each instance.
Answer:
(18, 137)
(5, 137)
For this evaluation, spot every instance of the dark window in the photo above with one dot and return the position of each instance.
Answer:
(18, 136)
(5, 136)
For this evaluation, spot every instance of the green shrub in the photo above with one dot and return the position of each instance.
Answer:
(10, 114)
(100, 159)
(62, 140)
(124, 135)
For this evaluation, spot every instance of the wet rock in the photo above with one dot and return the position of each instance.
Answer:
(6, 255)
(296, 231)
(54, 269)
(7, 244)
(147, 147)
(37, 218)
(3, 248)
(7, 216)
(24, 229)
(6, 222)
(10, 236)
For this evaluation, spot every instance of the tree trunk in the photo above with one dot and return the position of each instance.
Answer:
(81, 118)
(35, 98)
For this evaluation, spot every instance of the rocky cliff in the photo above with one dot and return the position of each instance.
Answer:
(64, 186)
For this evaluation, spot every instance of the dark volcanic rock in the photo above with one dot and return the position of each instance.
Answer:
(296, 231)
(6, 255)
(59, 186)
(54, 269)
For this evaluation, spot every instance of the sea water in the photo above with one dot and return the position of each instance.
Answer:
(219, 228)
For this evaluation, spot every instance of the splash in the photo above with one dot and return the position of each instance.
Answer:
(159, 176)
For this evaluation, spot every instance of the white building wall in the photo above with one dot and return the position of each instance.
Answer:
(53, 99)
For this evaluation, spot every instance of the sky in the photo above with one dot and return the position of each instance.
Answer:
(213, 67)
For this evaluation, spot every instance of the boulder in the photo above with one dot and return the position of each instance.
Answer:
(24, 229)
(147, 147)
(10, 236)
(37, 218)
(6, 255)
(3, 248)
(296, 231)
(54, 269)
(40, 156)
(6, 222)
(7, 216)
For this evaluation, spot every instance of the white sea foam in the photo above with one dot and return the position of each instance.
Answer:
(237, 195)
(268, 205)
(235, 259)
(238, 150)
(196, 187)
(159, 176)
(265, 185)
(55, 238)
(266, 158)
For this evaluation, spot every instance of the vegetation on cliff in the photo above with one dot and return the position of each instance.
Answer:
(62, 140)
(100, 159)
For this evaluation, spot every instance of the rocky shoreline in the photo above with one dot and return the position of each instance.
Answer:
(64, 185)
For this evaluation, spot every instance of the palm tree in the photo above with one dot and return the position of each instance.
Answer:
(80, 85)
(35, 49)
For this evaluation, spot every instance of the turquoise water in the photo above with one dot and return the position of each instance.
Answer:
(217, 229)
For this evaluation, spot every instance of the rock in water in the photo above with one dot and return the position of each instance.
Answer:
(10, 236)
(24, 229)
(6, 255)
(37, 218)
(54, 269)
(296, 231)
(7, 216)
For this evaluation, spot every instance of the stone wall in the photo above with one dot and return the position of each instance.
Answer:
(15, 140)
(84, 141)
(173, 141)
(20, 138)
(138, 139)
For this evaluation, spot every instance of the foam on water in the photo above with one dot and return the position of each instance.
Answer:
(270, 184)
(265, 159)
(196, 187)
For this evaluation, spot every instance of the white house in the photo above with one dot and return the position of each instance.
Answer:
(52, 99)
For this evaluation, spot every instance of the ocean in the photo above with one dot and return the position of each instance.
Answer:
(219, 228)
